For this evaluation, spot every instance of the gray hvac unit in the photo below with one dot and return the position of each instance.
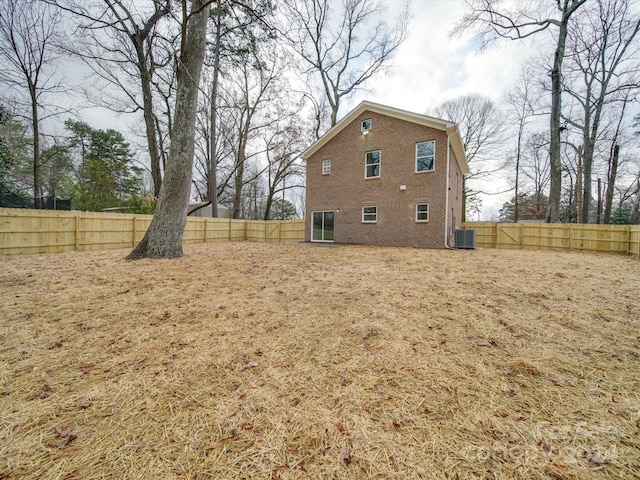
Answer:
(465, 239)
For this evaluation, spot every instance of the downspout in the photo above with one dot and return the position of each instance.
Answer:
(446, 193)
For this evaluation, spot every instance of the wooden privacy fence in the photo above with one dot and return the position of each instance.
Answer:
(25, 231)
(558, 236)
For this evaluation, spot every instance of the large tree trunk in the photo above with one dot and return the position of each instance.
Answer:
(164, 236)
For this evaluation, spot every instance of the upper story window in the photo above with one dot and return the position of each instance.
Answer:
(365, 126)
(372, 164)
(425, 156)
(326, 167)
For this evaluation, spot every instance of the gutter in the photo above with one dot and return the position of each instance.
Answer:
(446, 193)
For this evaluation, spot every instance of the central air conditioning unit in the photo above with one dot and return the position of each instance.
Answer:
(465, 239)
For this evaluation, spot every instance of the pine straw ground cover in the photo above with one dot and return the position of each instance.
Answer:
(257, 361)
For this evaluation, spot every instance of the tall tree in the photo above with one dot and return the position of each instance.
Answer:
(119, 42)
(344, 42)
(601, 68)
(27, 33)
(164, 235)
(518, 20)
(481, 128)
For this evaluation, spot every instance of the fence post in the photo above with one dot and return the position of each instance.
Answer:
(205, 231)
(570, 237)
(77, 243)
(521, 235)
(133, 240)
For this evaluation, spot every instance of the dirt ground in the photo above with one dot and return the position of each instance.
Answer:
(267, 361)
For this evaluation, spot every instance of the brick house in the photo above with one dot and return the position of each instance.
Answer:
(384, 176)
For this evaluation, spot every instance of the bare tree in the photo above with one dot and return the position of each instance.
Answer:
(481, 128)
(119, 42)
(284, 146)
(164, 236)
(344, 43)
(521, 100)
(255, 85)
(601, 69)
(536, 166)
(519, 20)
(614, 162)
(27, 36)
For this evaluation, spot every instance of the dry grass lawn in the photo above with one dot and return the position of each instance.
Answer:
(258, 361)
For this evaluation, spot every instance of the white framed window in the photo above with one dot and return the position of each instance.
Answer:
(365, 126)
(372, 164)
(425, 156)
(422, 212)
(369, 214)
(326, 167)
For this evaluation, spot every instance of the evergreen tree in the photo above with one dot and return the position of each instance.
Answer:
(12, 149)
(106, 176)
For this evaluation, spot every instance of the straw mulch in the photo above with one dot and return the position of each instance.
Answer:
(257, 361)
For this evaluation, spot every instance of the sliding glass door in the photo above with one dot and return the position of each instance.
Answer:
(322, 228)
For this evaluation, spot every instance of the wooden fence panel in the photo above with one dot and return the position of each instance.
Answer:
(291, 231)
(47, 231)
(217, 229)
(194, 231)
(237, 230)
(486, 233)
(255, 231)
(508, 236)
(559, 236)
(25, 231)
(99, 231)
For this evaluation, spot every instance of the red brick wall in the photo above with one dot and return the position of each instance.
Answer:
(346, 191)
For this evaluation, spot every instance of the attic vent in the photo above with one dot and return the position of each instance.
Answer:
(465, 239)
(366, 125)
